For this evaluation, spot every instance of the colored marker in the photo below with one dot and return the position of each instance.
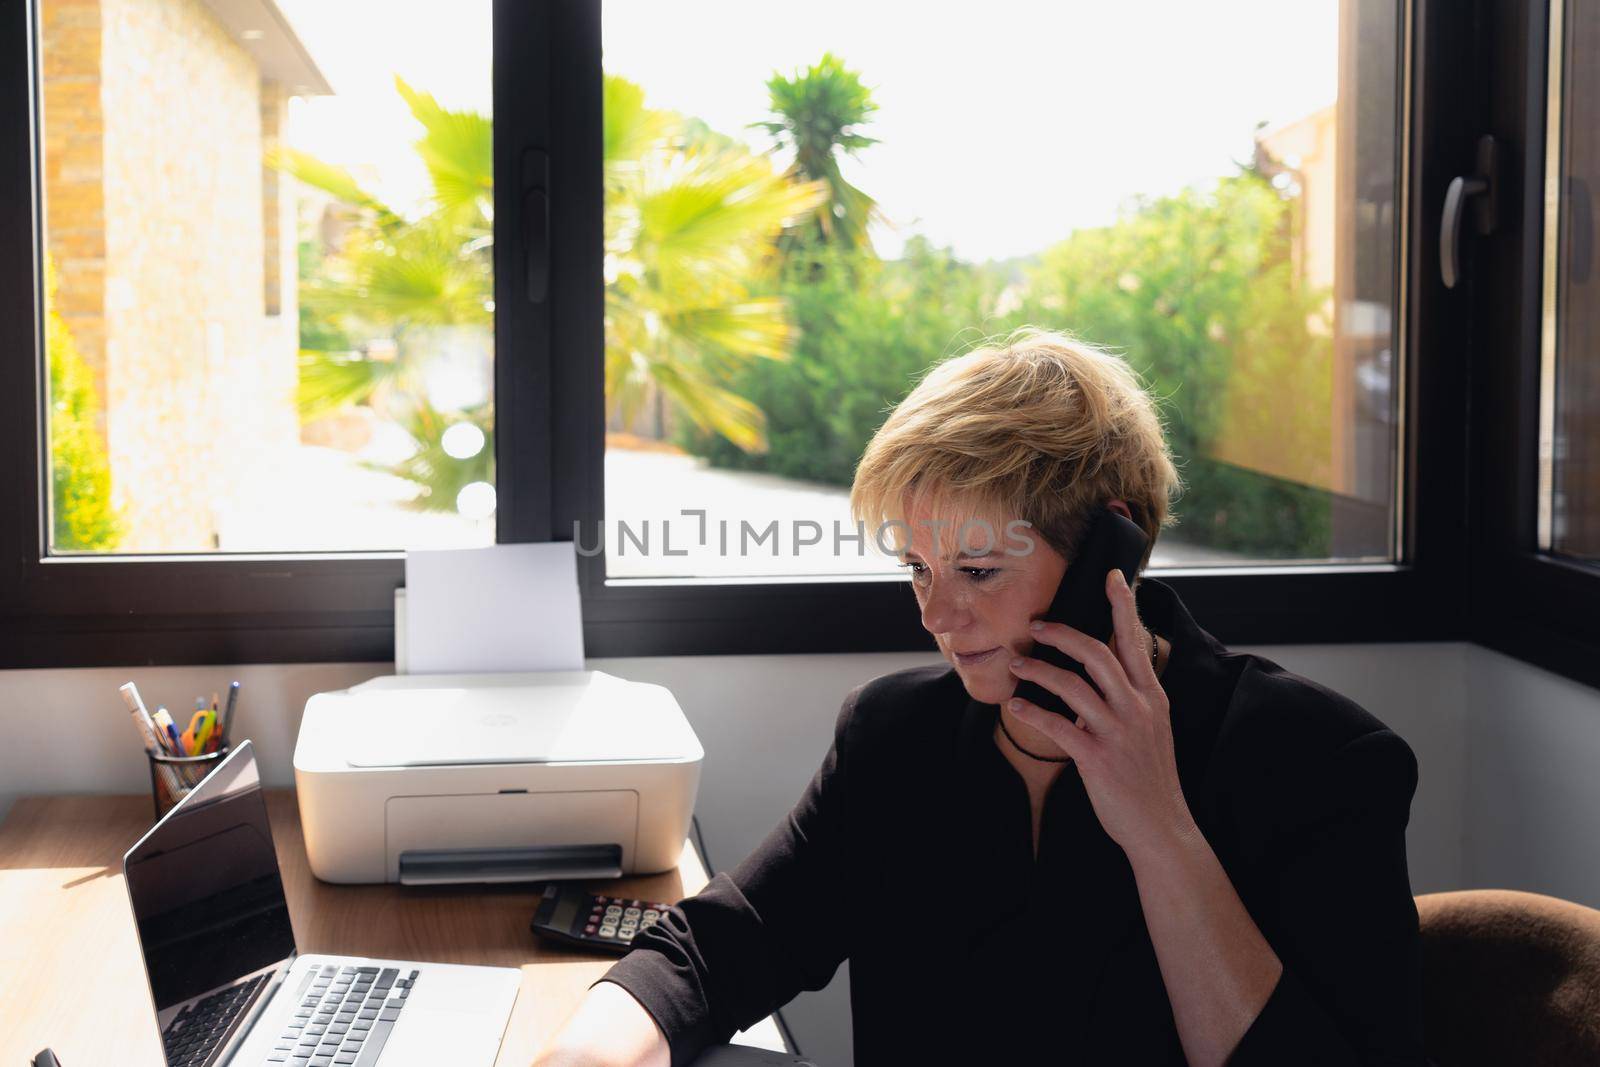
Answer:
(191, 736)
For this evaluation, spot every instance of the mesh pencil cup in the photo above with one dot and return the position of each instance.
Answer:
(173, 777)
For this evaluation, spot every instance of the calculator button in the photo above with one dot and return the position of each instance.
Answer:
(626, 935)
(608, 931)
(631, 913)
(651, 913)
(590, 929)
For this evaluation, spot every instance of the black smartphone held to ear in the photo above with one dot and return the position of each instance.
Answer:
(1081, 601)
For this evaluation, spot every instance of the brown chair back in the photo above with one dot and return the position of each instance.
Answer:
(1509, 978)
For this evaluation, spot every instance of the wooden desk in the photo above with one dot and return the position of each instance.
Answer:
(71, 977)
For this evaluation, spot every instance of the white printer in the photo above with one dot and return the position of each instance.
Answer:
(434, 778)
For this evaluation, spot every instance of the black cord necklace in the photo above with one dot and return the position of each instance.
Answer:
(1001, 719)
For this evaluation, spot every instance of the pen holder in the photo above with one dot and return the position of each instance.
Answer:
(173, 777)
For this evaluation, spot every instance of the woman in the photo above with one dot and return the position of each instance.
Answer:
(1207, 867)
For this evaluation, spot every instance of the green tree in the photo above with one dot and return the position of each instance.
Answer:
(869, 328)
(82, 518)
(818, 113)
(1200, 291)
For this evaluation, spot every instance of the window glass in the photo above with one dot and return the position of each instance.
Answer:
(267, 254)
(804, 213)
(1570, 442)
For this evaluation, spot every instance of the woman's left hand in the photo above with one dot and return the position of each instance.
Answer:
(1122, 742)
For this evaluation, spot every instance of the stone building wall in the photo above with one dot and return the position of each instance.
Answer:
(199, 379)
(73, 133)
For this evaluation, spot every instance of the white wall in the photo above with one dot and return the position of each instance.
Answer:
(1530, 812)
(1508, 794)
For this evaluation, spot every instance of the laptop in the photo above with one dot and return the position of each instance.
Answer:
(228, 983)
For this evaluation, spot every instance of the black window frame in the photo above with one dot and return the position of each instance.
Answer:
(1530, 604)
(550, 424)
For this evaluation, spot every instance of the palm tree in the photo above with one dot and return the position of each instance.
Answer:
(817, 113)
(395, 277)
(691, 224)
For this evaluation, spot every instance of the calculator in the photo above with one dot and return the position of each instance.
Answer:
(574, 916)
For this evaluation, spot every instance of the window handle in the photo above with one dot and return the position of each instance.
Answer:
(1480, 188)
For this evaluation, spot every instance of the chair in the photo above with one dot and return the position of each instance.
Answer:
(1509, 978)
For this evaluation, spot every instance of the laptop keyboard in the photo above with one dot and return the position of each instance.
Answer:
(344, 1018)
(197, 1030)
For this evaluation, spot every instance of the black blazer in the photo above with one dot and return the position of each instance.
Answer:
(911, 855)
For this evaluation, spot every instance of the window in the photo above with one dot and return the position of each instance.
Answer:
(269, 293)
(798, 227)
(1569, 441)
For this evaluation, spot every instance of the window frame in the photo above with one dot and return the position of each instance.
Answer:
(550, 427)
(235, 608)
(1414, 600)
(1527, 603)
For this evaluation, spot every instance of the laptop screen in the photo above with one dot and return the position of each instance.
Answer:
(205, 887)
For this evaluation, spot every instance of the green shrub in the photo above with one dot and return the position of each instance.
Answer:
(82, 517)
(1236, 510)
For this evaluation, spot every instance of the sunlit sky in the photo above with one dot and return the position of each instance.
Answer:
(1003, 125)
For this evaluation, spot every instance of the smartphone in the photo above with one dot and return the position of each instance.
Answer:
(1081, 601)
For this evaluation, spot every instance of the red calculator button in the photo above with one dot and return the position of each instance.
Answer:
(590, 929)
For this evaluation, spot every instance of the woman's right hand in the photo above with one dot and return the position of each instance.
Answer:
(609, 1029)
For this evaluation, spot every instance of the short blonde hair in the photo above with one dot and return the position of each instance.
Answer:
(1039, 426)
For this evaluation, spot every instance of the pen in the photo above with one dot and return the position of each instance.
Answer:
(168, 729)
(227, 714)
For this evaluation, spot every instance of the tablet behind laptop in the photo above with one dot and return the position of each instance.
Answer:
(228, 983)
